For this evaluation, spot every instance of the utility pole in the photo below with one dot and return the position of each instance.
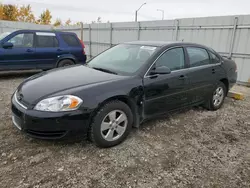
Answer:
(136, 12)
(162, 11)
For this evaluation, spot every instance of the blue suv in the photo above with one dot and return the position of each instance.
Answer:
(35, 49)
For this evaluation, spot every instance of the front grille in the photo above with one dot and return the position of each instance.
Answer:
(47, 135)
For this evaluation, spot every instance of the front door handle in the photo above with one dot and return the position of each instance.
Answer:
(213, 71)
(29, 50)
(59, 50)
(182, 77)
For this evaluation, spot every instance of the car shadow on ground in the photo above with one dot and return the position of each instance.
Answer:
(168, 116)
(61, 142)
(83, 140)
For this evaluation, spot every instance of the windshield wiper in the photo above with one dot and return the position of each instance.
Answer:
(104, 70)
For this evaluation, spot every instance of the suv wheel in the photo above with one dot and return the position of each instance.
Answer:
(111, 125)
(66, 62)
(216, 100)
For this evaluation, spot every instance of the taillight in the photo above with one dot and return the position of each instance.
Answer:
(83, 46)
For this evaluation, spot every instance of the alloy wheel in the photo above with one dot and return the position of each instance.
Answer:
(114, 125)
(218, 96)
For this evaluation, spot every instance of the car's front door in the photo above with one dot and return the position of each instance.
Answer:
(166, 92)
(21, 55)
(201, 74)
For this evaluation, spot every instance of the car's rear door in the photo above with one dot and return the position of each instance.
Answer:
(48, 50)
(167, 91)
(201, 74)
(21, 55)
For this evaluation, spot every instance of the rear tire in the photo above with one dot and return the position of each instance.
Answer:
(217, 97)
(65, 62)
(111, 124)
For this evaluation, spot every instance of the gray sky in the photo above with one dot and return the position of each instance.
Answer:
(123, 10)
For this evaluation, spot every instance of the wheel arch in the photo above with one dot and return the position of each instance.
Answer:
(72, 58)
(226, 83)
(128, 101)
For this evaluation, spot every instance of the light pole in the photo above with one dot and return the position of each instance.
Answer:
(162, 11)
(136, 12)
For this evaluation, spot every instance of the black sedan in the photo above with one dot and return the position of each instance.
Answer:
(121, 88)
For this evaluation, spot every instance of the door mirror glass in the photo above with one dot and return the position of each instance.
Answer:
(161, 70)
(7, 45)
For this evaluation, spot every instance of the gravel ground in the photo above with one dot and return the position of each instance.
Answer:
(191, 148)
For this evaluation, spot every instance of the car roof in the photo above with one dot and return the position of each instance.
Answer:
(163, 43)
(47, 31)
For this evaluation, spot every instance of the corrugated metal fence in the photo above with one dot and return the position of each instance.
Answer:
(229, 35)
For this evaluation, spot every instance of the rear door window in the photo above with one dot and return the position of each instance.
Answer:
(71, 40)
(197, 56)
(46, 40)
(214, 59)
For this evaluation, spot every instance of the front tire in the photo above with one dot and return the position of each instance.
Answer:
(111, 124)
(216, 100)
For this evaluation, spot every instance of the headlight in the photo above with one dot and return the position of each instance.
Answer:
(59, 104)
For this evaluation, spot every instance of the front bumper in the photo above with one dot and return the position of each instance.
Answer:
(49, 125)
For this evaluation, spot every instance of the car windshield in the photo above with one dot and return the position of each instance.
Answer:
(3, 35)
(122, 59)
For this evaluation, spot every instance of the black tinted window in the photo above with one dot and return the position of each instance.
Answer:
(71, 40)
(46, 41)
(173, 59)
(24, 40)
(197, 56)
(214, 58)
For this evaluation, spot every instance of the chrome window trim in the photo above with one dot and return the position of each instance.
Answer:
(189, 68)
(204, 66)
(45, 34)
(20, 104)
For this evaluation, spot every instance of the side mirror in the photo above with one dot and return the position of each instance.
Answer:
(161, 70)
(8, 45)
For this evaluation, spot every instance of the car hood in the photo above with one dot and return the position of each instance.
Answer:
(51, 82)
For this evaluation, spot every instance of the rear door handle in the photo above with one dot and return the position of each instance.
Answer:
(213, 71)
(29, 50)
(59, 50)
(182, 77)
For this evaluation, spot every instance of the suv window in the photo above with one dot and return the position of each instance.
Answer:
(214, 58)
(43, 41)
(22, 40)
(173, 59)
(71, 40)
(197, 56)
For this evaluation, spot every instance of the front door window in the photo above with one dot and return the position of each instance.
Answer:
(173, 59)
(22, 40)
